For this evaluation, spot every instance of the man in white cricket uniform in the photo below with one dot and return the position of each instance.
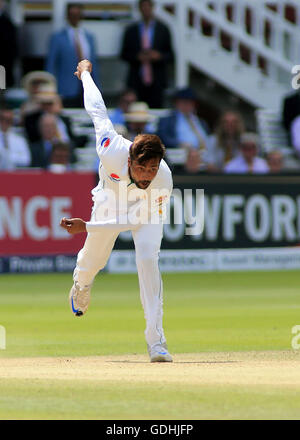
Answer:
(135, 186)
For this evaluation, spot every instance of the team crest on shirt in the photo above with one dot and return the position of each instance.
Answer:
(105, 142)
(160, 200)
(114, 177)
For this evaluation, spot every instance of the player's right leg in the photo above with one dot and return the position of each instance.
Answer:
(91, 258)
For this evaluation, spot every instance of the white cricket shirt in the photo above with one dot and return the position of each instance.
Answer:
(116, 197)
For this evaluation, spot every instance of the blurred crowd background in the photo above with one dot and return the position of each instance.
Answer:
(43, 123)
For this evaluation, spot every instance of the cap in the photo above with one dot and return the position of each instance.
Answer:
(186, 93)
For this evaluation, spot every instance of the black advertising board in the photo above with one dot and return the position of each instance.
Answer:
(236, 212)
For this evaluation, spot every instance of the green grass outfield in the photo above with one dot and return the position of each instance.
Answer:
(208, 319)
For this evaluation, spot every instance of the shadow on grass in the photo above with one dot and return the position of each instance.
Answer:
(174, 362)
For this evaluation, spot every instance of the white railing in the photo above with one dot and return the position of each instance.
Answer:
(257, 37)
(273, 42)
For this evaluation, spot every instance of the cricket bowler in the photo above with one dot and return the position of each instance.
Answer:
(134, 188)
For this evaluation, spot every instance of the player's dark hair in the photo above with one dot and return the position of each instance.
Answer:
(146, 147)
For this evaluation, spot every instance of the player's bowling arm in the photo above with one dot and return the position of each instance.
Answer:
(93, 101)
(95, 106)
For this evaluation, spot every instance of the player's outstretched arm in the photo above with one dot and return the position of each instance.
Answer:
(77, 225)
(73, 225)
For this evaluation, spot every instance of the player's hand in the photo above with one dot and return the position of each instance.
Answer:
(73, 225)
(83, 66)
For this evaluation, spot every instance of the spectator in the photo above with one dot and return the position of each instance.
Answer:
(225, 142)
(32, 83)
(8, 44)
(14, 150)
(193, 162)
(275, 162)
(247, 161)
(290, 111)
(50, 102)
(138, 119)
(295, 135)
(60, 158)
(147, 49)
(41, 150)
(183, 129)
(126, 98)
(67, 47)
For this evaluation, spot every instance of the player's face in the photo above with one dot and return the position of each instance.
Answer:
(143, 173)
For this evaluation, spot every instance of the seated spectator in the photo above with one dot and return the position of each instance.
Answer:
(41, 150)
(193, 162)
(183, 129)
(247, 161)
(60, 158)
(50, 102)
(126, 98)
(14, 150)
(225, 142)
(32, 83)
(138, 119)
(275, 162)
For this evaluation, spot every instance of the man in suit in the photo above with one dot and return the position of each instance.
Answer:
(8, 45)
(67, 47)
(147, 48)
(41, 151)
(290, 110)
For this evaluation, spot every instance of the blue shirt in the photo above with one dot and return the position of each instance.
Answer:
(186, 135)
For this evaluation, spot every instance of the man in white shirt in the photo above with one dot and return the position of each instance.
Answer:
(14, 150)
(247, 161)
(135, 185)
(183, 129)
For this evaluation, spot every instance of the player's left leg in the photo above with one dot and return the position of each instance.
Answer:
(147, 240)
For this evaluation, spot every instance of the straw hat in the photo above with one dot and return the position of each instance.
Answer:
(38, 75)
(46, 93)
(138, 112)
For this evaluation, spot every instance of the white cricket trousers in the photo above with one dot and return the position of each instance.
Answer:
(147, 239)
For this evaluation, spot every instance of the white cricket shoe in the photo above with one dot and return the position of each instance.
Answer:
(159, 353)
(79, 299)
